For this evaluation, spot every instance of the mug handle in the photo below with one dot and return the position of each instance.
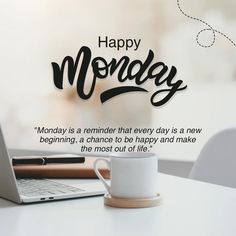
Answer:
(107, 186)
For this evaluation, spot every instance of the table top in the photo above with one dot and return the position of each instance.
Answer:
(188, 208)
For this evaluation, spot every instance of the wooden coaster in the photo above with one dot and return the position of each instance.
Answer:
(131, 202)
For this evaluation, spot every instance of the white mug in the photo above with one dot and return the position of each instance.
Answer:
(133, 175)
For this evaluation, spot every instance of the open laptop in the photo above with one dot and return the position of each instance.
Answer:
(37, 190)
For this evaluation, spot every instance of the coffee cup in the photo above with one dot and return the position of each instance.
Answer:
(133, 175)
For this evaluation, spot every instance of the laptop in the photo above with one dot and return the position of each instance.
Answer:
(23, 191)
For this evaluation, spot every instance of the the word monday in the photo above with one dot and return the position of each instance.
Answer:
(158, 73)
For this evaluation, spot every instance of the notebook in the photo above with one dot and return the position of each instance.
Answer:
(80, 170)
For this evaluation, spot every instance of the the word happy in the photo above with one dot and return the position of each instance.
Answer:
(119, 43)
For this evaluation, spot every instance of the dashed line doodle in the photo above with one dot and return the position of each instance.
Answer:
(209, 28)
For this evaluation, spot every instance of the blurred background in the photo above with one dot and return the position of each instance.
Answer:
(35, 33)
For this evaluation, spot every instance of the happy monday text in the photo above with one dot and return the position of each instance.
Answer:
(161, 76)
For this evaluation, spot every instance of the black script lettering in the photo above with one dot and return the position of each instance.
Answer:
(170, 92)
(58, 72)
(97, 69)
(110, 93)
(102, 69)
(114, 65)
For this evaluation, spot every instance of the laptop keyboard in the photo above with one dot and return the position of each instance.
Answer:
(44, 187)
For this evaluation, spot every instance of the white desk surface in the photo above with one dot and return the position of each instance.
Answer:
(189, 208)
